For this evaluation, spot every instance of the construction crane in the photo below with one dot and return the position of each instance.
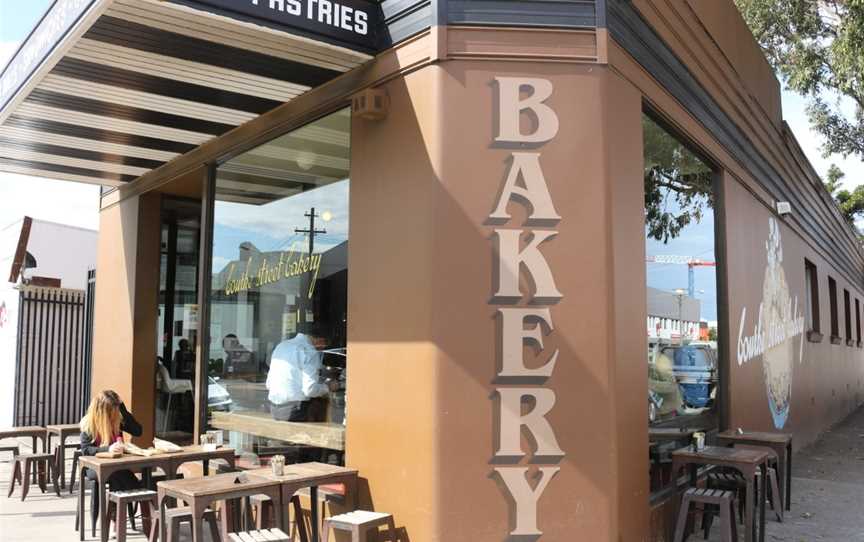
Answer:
(689, 261)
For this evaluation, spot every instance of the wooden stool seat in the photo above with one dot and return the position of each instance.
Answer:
(706, 496)
(261, 535)
(359, 523)
(45, 466)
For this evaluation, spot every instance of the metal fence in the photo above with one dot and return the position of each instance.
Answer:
(52, 369)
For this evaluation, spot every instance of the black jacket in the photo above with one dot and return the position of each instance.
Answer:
(128, 425)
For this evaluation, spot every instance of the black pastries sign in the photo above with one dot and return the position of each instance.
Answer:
(352, 23)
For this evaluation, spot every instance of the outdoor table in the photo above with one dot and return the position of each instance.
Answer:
(32, 431)
(747, 461)
(63, 432)
(781, 443)
(168, 462)
(667, 434)
(200, 493)
(312, 475)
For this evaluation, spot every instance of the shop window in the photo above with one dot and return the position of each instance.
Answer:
(857, 322)
(847, 312)
(832, 297)
(682, 358)
(811, 292)
(278, 302)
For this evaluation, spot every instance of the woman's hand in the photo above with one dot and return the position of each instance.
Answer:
(117, 447)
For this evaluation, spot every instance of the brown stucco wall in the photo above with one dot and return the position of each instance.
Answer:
(826, 378)
(127, 281)
(423, 337)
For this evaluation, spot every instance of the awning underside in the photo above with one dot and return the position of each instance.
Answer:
(148, 81)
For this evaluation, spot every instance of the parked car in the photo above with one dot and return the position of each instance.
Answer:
(695, 370)
(218, 397)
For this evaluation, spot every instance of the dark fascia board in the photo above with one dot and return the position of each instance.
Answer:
(629, 29)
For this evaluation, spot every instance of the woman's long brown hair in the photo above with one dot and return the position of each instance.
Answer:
(102, 420)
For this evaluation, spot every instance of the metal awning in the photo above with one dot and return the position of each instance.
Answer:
(103, 91)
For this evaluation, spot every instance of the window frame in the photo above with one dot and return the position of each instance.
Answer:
(835, 317)
(847, 308)
(811, 284)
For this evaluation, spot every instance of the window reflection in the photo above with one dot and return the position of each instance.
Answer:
(681, 295)
(278, 306)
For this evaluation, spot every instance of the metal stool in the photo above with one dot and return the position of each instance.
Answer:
(174, 517)
(358, 523)
(125, 502)
(725, 500)
(44, 464)
(262, 505)
(266, 535)
(75, 457)
(14, 449)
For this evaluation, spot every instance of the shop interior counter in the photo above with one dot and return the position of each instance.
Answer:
(317, 434)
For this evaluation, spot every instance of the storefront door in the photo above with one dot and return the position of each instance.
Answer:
(177, 328)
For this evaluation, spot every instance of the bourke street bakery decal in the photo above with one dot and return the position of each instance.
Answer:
(266, 270)
(524, 324)
(777, 323)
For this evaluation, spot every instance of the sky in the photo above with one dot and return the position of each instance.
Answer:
(58, 201)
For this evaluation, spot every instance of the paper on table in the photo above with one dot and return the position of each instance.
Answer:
(166, 446)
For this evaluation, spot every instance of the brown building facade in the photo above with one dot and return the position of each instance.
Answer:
(497, 180)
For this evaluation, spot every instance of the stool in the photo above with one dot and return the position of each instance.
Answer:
(266, 535)
(263, 507)
(13, 449)
(75, 457)
(732, 481)
(358, 524)
(717, 497)
(775, 497)
(44, 465)
(175, 516)
(61, 466)
(126, 500)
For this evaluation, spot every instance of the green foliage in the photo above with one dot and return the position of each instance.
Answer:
(678, 185)
(817, 47)
(834, 179)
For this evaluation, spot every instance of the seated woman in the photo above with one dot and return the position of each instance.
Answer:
(102, 430)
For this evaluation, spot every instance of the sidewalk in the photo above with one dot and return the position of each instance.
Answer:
(827, 490)
(827, 498)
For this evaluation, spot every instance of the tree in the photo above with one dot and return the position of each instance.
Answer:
(678, 185)
(817, 47)
(851, 204)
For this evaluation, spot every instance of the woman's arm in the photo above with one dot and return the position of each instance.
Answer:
(129, 424)
(88, 447)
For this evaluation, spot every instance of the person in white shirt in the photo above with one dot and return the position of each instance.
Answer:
(294, 378)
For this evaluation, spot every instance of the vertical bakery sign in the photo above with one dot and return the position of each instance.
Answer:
(524, 317)
(774, 331)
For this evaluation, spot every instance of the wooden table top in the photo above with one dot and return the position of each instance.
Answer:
(673, 433)
(217, 484)
(306, 473)
(717, 454)
(64, 428)
(189, 453)
(23, 431)
(764, 436)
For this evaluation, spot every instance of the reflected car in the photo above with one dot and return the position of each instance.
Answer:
(695, 370)
(218, 397)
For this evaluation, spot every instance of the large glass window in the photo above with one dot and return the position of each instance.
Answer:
(278, 304)
(682, 295)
